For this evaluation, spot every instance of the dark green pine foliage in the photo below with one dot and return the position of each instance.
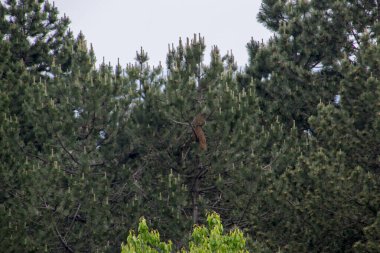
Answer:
(183, 181)
(297, 67)
(360, 98)
(352, 127)
(30, 34)
(177, 177)
(14, 78)
(68, 199)
(170, 162)
(34, 31)
(158, 194)
(13, 166)
(292, 142)
(320, 70)
(323, 204)
(330, 200)
(33, 37)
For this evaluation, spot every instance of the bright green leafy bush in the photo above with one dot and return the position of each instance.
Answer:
(204, 239)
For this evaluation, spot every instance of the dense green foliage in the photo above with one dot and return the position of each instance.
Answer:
(203, 239)
(293, 140)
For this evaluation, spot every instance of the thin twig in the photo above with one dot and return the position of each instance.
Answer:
(181, 123)
(67, 151)
(72, 222)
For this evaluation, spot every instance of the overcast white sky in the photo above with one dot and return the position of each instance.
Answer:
(117, 28)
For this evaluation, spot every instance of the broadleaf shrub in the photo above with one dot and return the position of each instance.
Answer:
(204, 239)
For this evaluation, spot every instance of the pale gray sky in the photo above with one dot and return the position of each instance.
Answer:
(117, 28)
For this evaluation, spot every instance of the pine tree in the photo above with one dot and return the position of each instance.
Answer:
(320, 50)
(351, 126)
(184, 180)
(34, 37)
(298, 67)
(31, 36)
(35, 32)
(70, 185)
(287, 150)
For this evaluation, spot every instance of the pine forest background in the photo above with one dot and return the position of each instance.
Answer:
(293, 139)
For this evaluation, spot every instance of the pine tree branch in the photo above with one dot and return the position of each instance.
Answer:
(63, 241)
(180, 123)
(67, 151)
(206, 189)
(32, 155)
(72, 222)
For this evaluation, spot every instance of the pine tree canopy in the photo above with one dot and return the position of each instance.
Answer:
(286, 150)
